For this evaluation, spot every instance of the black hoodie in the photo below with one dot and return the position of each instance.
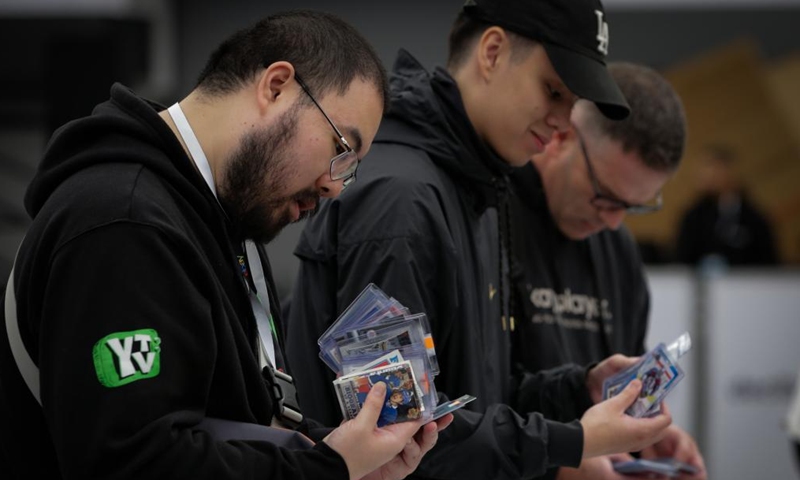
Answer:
(422, 223)
(580, 300)
(132, 305)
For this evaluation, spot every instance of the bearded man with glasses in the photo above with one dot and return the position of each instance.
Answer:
(142, 328)
(578, 275)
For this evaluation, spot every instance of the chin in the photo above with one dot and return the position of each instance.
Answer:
(577, 234)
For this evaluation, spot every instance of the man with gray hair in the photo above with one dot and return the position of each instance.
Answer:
(581, 294)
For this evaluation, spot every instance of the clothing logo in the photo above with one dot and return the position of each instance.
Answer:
(242, 265)
(125, 357)
(492, 292)
(571, 303)
(602, 33)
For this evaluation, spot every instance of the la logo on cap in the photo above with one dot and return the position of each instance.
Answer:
(602, 33)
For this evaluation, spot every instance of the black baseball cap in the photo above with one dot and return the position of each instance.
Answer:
(575, 35)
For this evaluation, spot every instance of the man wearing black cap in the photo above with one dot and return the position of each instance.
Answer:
(428, 222)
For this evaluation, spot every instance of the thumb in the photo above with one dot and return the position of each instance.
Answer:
(371, 409)
(627, 396)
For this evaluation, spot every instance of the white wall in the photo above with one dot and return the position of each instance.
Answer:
(742, 369)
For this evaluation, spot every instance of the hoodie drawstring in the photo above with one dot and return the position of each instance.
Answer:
(504, 240)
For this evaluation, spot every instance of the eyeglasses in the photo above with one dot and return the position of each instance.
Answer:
(345, 164)
(604, 202)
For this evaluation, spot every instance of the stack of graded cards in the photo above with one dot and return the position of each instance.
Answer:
(659, 372)
(376, 339)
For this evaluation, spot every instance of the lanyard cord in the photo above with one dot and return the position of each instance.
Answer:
(259, 303)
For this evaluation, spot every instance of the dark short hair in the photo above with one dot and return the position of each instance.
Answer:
(656, 127)
(466, 31)
(326, 52)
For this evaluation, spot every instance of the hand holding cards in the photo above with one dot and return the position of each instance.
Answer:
(659, 372)
(374, 340)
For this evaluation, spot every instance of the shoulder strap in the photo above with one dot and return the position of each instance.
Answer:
(27, 368)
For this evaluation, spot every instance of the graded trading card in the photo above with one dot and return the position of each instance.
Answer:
(444, 408)
(402, 402)
(390, 340)
(354, 364)
(659, 375)
(641, 466)
(661, 466)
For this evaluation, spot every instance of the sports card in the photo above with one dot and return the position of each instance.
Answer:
(383, 343)
(402, 402)
(662, 466)
(444, 408)
(639, 466)
(392, 357)
(659, 375)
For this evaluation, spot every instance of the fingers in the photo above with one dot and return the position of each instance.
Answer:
(627, 396)
(427, 436)
(404, 430)
(371, 410)
(621, 361)
(444, 421)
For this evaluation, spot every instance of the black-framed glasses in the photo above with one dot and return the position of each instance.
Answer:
(345, 164)
(602, 201)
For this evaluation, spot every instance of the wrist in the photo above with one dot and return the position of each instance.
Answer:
(594, 384)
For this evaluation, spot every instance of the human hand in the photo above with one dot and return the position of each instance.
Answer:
(678, 444)
(608, 367)
(408, 460)
(366, 448)
(597, 468)
(608, 429)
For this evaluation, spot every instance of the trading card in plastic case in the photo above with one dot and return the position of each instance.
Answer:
(368, 362)
(659, 466)
(402, 402)
(659, 375)
(444, 408)
(389, 339)
(420, 364)
(414, 328)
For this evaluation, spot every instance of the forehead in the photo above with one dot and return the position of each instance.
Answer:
(624, 174)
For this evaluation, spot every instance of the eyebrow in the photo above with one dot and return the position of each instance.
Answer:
(355, 134)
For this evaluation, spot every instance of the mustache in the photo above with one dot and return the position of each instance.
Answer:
(307, 197)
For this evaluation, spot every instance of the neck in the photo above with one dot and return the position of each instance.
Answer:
(209, 122)
(464, 79)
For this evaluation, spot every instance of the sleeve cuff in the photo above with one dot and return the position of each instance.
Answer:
(583, 401)
(333, 463)
(565, 443)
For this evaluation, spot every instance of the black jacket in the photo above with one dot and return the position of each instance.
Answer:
(422, 223)
(129, 272)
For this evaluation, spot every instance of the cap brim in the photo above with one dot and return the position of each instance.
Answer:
(588, 78)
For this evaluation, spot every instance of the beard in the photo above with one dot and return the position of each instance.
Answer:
(250, 191)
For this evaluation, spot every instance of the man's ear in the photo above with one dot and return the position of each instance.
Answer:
(276, 84)
(492, 51)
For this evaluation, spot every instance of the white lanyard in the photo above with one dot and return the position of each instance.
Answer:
(260, 310)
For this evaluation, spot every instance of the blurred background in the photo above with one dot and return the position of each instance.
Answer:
(722, 255)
